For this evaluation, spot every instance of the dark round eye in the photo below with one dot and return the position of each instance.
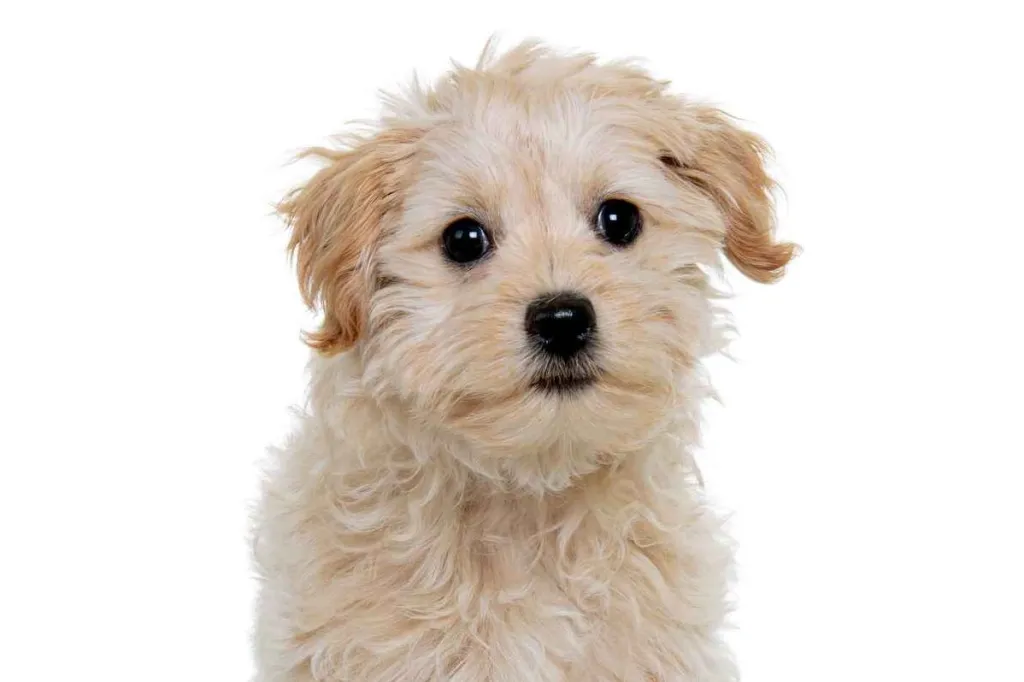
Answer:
(619, 222)
(465, 241)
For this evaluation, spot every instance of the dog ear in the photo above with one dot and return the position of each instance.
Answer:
(336, 220)
(728, 164)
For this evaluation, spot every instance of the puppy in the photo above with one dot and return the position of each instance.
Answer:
(493, 479)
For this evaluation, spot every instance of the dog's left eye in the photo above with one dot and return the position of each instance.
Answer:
(619, 222)
(465, 241)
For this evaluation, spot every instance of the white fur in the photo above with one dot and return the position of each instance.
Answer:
(434, 517)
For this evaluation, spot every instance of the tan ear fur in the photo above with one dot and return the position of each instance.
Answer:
(336, 220)
(728, 163)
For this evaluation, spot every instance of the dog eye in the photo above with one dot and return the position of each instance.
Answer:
(465, 241)
(618, 222)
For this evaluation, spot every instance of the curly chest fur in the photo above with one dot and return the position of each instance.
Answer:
(426, 583)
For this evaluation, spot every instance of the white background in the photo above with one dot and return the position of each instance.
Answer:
(870, 441)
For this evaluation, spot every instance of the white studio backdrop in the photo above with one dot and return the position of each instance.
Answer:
(869, 444)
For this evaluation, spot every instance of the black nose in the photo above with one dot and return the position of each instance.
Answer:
(561, 324)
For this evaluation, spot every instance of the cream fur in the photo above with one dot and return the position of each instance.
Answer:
(434, 517)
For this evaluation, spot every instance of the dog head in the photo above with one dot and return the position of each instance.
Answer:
(518, 255)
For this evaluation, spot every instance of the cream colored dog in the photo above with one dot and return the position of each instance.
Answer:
(493, 481)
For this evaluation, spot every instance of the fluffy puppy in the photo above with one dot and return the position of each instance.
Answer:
(493, 480)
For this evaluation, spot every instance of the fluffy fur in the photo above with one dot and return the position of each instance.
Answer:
(435, 516)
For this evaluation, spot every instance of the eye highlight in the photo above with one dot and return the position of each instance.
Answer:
(618, 222)
(465, 241)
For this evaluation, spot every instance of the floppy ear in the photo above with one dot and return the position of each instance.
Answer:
(336, 220)
(728, 164)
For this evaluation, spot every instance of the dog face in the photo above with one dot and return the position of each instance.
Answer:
(518, 256)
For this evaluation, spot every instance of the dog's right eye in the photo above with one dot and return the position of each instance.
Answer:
(465, 241)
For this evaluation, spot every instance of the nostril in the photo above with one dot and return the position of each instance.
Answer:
(562, 324)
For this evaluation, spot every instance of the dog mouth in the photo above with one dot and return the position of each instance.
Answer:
(565, 376)
(563, 384)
